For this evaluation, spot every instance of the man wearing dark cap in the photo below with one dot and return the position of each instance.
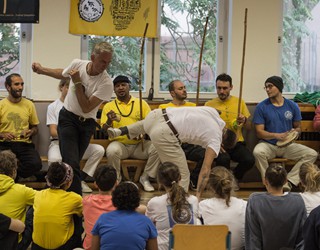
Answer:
(274, 118)
(123, 111)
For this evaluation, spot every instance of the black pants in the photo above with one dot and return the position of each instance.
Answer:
(241, 154)
(29, 161)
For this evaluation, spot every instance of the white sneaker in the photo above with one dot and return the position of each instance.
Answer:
(85, 187)
(113, 133)
(144, 180)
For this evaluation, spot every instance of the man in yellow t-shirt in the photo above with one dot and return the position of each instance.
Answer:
(123, 111)
(228, 106)
(18, 123)
(193, 152)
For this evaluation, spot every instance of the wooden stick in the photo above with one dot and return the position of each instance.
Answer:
(243, 56)
(200, 60)
(4, 6)
(140, 76)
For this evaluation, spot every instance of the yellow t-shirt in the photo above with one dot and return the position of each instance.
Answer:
(229, 111)
(170, 104)
(130, 113)
(16, 117)
(53, 222)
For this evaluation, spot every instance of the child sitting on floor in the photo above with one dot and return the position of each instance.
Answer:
(54, 208)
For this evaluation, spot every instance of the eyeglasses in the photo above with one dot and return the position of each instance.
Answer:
(269, 86)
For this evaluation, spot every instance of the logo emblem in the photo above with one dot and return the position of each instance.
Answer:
(90, 10)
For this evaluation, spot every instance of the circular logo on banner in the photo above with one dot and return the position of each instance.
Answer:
(90, 10)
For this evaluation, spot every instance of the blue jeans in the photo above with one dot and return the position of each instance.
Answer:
(74, 137)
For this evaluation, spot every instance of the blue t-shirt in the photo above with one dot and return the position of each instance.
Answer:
(122, 229)
(277, 119)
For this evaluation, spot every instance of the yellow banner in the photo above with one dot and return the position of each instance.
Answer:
(114, 17)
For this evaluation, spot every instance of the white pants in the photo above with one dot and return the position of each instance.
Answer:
(117, 151)
(165, 142)
(264, 151)
(92, 155)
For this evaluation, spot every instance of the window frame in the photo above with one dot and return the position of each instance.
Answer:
(221, 65)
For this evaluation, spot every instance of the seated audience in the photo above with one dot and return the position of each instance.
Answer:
(16, 197)
(310, 183)
(18, 123)
(124, 228)
(93, 153)
(222, 208)
(54, 207)
(9, 229)
(274, 219)
(311, 230)
(96, 204)
(176, 206)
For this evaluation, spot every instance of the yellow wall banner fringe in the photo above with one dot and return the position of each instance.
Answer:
(113, 17)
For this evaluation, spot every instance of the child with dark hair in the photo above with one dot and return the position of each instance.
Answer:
(95, 204)
(274, 220)
(310, 182)
(176, 206)
(223, 208)
(124, 228)
(54, 209)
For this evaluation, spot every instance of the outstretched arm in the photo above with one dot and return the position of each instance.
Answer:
(55, 73)
(205, 171)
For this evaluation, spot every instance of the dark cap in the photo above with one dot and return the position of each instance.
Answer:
(121, 78)
(276, 81)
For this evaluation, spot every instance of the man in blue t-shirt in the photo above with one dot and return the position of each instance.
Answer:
(274, 118)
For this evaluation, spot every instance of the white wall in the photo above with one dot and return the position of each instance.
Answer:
(262, 48)
(53, 46)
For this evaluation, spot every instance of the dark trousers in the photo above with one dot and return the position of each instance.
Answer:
(9, 241)
(69, 245)
(194, 153)
(29, 161)
(241, 154)
(74, 138)
(27, 233)
(75, 135)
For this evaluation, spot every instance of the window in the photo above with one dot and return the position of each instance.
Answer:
(10, 50)
(182, 29)
(14, 40)
(301, 46)
(126, 58)
(176, 53)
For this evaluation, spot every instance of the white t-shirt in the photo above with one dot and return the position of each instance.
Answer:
(215, 211)
(159, 211)
(198, 125)
(53, 112)
(311, 200)
(100, 86)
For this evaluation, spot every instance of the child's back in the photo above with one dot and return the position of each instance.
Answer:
(96, 204)
(93, 206)
(15, 198)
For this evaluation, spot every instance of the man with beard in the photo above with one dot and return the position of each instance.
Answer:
(18, 123)
(227, 105)
(123, 111)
